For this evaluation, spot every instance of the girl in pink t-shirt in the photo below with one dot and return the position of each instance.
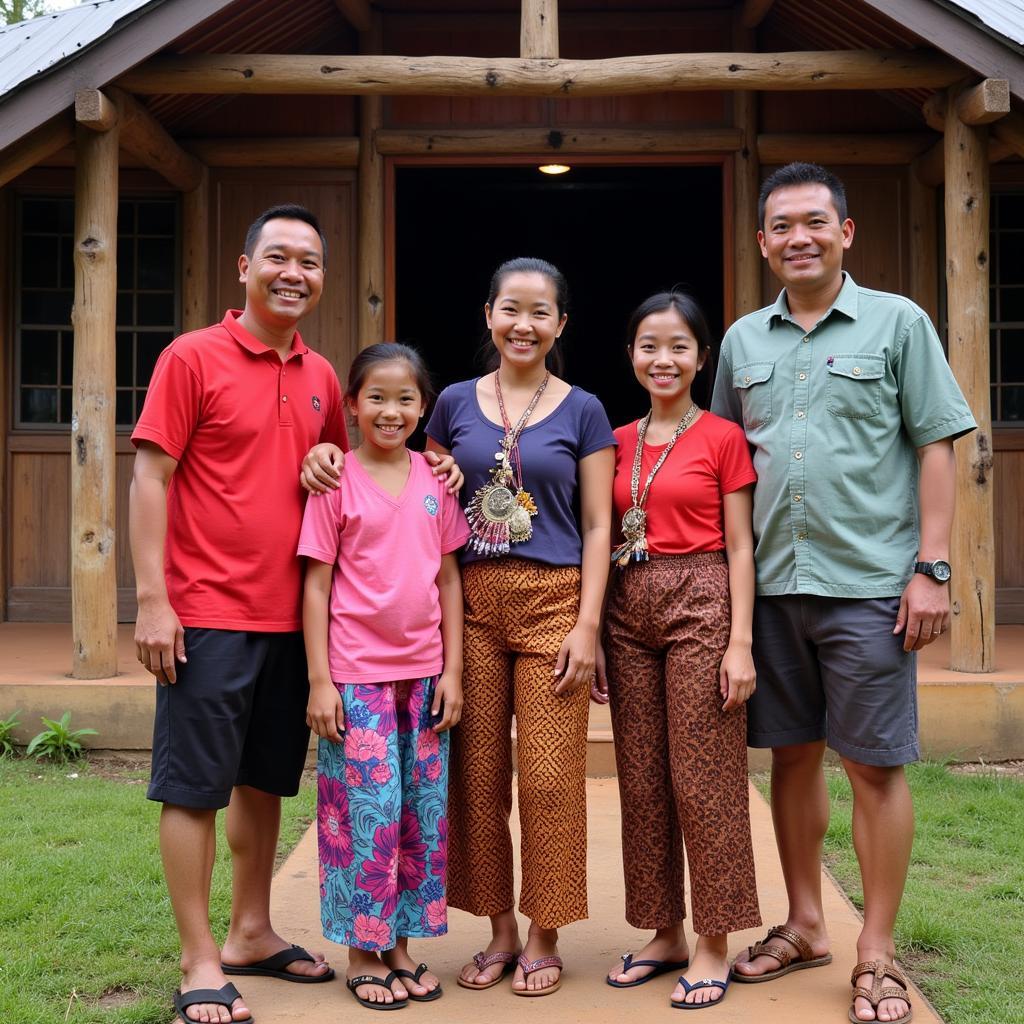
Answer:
(382, 617)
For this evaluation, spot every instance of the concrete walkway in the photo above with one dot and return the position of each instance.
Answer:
(589, 948)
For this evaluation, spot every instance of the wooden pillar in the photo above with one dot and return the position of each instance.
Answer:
(538, 29)
(967, 284)
(924, 245)
(195, 256)
(93, 467)
(746, 185)
(370, 239)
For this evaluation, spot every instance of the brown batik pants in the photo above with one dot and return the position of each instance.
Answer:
(517, 615)
(682, 762)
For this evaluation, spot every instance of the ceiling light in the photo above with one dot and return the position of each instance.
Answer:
(554, 168)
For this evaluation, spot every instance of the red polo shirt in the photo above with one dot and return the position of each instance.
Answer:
(239, 421)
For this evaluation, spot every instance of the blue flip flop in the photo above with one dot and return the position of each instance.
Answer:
(660, 967)
(703, 983)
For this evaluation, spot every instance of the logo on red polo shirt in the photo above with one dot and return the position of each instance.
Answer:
(316, 403)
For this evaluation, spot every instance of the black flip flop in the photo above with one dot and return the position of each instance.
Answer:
(660, 967)
(430, 996)
(372, 979)
(274, 967)
(218, 996)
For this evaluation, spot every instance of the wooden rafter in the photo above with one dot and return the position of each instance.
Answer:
(538, 29)
(754, 12)
(357, 13)
(362, 74)
(985, 102)
(302, 151)
(35, 147)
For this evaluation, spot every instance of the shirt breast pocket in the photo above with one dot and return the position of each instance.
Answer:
(855, 385)
(753, 383)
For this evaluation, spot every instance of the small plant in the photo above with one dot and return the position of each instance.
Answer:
(7, 726)
(57, 742)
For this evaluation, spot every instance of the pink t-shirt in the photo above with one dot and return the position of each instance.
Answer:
(385, 615)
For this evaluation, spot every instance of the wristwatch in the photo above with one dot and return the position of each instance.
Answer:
(938, 570)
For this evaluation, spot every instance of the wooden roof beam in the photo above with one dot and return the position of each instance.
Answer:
(357, 13)
(35, 147)
(985, 102)
(1010, 132)
(754, 12)
(311, 74)
(538, 29)
(305, 151)
(93, 110)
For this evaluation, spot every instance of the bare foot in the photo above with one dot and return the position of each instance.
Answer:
(892, 1009)
(361, 961)
(207, 974)
(398, 959)
(710, 962)
(668, 944)
(815, 935)
(540, 942)
(240, 951)
(505, 939)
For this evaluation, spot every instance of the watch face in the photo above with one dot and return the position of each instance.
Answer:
(941, 571)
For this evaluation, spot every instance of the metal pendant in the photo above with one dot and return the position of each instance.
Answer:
(634, 522)
(497, 504)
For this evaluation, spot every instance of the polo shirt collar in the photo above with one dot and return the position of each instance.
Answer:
(251, 343)
(846, 302)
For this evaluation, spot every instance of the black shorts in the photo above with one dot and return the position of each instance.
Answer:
(235, 717)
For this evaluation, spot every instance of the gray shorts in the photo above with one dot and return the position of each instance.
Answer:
(830, 668)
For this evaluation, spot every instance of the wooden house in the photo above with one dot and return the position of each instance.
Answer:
(138, 138)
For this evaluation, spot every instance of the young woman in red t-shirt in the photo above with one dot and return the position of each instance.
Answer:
(679, 670)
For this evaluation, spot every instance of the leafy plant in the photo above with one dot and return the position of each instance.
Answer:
(57, 742)
(7, 726)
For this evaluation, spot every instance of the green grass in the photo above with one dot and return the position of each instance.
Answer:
(86, 932)
(960, 929)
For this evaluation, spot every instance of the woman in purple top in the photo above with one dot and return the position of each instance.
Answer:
(538, 455)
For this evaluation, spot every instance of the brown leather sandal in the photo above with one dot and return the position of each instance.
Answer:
(879, 991)
(787, 962)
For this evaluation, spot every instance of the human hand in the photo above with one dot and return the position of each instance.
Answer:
(447, 699)
(737, 679)
(159, 640)
(924, 612)
(599, 687)
(321, 468)
(445, 467)
(325, 714)
(574, 665)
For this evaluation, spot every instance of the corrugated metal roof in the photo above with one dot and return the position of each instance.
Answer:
(1004, 16)
(28, 48)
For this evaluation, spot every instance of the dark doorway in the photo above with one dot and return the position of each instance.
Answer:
(617, 233)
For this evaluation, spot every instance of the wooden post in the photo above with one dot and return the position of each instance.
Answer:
(370, 239)
(924, 246)
(195, 256)
(972, 638)
(93, 468)
(538, 29)
(746, 185)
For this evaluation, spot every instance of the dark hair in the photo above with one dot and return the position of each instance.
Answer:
(693, 316)
(284, 211)
(388, 352)
(802, 174)
(528, 265)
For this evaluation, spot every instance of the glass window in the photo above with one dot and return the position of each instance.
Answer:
(148, 303)
(1007, 308)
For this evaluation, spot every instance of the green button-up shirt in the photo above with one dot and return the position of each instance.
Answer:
(834, 416)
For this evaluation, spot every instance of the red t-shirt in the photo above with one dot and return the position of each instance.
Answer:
(238, 421)
(684, 505)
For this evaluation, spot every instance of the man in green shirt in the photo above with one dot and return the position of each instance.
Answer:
(851, 411)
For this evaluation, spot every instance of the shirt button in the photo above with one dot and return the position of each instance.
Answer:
(284, 398)
(746, 380)
(802, 376)
(806, 340)
(856, 371)
(798, 455)
(797, 497)
(801, 536)
(800, 415)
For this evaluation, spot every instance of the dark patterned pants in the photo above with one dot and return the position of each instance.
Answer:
(517, 615)
(682, 763)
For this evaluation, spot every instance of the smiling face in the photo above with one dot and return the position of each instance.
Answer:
(666, 355)
(389, 404)
(804, 239)
(524, 320)
(285, 275)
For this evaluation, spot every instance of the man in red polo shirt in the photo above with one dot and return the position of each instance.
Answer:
(215, 513)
